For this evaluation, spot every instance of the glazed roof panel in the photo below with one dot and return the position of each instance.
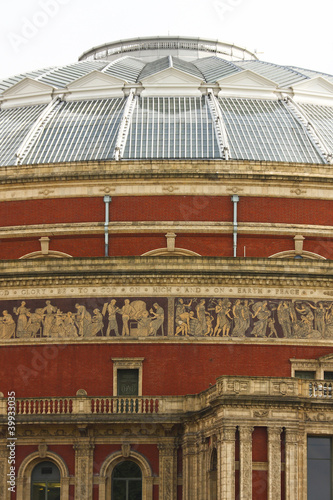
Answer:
(282, 75)
(79, 131)
(168, 62)
(322, 119)
(62, 76)
(171, 127)
(313, 74)
(266, 130)
(214, 68)
(15, 124)
(9, 82)
(127, 68)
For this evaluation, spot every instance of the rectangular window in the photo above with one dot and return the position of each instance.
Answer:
(319, 468)
(305, 374)
(328, 375)
(128, 382)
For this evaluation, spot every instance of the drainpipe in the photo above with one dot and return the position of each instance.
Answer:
(235, 200)
(107, 201)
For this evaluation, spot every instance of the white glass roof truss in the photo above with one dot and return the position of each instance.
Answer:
(124, 125)
(312, 130)
(219, 125)
(15, 123)
(37, 129)
(172, 127)
(81, 131)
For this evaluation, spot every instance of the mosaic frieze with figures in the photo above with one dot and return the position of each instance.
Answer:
(68, 318)
(161, 317)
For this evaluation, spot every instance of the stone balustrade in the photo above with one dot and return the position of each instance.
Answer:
(226, 387)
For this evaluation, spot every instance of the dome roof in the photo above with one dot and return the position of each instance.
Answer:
(167, 98)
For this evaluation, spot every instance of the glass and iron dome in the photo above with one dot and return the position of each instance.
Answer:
(167, 98)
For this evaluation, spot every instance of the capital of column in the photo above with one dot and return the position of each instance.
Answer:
(292, 436)
(274, 433)
(245, 433)
(228, 433)
(167, 448)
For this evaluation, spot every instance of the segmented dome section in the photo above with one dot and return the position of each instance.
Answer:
(61, 77)
(282, 75)
(9, 82)
(127, 68)
(15, 124)
(172, 127)
(214, 68)
(79, 131)
(265, 130)
(322, 118)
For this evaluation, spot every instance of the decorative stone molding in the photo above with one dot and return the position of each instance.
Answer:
(245, 462)
(26, 468)
(226, 463)
(110, 463)
(292, 457)
(128, 364)
(84, 451)
(274, 463)
(168, 470)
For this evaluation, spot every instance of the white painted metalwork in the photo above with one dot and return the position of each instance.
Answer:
(312, 130)
(265, 130)
(124, 126)
(219, 126)
(39, 125)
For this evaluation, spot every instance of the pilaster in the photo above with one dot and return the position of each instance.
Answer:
(189, 479)
(168, 470)
(84, 451)
(226, 464)
(291, 464)
(245, 462)
(274, 463)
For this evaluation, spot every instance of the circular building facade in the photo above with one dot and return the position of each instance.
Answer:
(166, 280)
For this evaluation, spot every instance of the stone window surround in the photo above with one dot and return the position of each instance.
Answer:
(27, 466)
(127, 364)
(319, 366)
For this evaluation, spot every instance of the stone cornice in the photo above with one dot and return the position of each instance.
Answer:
(160, 267)
(213, 170)
(162, 227)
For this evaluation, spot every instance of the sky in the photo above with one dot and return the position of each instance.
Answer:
(38, 34)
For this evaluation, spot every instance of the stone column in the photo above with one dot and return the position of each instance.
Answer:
(302, 465)
(168, 471)
(189, 469)
(84, 456)
(226, 464)
(245, 462)
(291, 464)
(274, 463)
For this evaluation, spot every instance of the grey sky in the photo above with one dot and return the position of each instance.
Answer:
(42, 33)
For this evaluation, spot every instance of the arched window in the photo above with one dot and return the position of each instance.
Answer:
(127, 481)
(45, 482)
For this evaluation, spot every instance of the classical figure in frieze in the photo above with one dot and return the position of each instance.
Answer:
(49, 315)
(112, 310)
(22, 320)
(83, 320)
(158, 319)
(261, 314)
(7, 326)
